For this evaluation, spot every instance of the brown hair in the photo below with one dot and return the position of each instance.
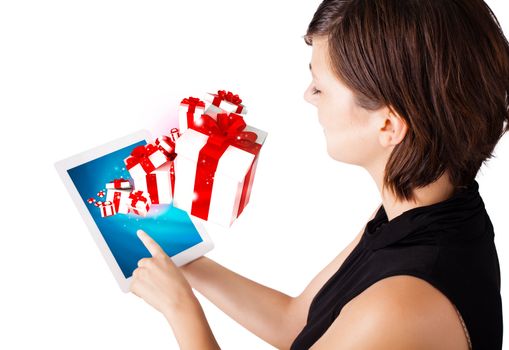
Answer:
(442, 65)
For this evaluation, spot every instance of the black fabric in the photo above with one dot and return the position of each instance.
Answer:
(449, 244)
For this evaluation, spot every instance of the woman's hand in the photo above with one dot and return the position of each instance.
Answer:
(159, 282)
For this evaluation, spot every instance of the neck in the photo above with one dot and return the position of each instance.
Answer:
(433, 193)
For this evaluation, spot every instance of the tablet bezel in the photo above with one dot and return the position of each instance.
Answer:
(62, 168)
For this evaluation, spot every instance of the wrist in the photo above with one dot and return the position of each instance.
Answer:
(185, 302)
(193, 264)
(193, 269)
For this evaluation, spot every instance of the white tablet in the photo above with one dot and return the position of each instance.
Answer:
(85, 175)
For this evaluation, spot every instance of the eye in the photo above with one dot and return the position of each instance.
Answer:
(315, 91)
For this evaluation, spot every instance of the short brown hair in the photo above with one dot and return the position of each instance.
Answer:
(442, 65)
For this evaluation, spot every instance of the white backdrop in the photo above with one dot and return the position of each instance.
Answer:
(76, 74)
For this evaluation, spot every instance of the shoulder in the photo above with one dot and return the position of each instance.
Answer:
(397, 312)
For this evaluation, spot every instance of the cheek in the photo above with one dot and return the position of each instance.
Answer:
(336, 114)
(349, 138)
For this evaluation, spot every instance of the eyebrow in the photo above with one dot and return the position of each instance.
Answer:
(311, 69)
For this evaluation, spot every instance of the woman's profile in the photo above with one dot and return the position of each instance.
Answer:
(417, 93)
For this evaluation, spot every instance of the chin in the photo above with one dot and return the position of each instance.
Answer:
(334, 154)
(340, 154)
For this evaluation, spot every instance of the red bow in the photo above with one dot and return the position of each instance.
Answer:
(229, 96)
(139, 152)
(137, 196)
(227, 130)
(193, 101)
(140, 155)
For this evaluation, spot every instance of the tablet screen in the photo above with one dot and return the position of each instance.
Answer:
(170, 227)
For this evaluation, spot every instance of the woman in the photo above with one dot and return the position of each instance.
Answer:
(416, 92)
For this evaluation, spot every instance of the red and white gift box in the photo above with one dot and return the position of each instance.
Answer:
(118, 193)
(144, 159)
(118, 184)
(107, 209)
(158, 184)
(166, 143)
(190, 111)
(160, 181)
(139, 203)
(174, 134)
(215, 168)
(227, 101)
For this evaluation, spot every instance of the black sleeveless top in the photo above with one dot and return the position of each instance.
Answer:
(449, 244)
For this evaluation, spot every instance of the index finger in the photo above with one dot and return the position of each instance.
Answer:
(152, 246)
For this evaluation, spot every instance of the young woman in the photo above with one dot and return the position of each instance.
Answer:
(416, 92)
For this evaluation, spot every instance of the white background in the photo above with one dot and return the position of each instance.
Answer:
(76, 74)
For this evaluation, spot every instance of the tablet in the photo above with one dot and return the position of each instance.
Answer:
(85, 175)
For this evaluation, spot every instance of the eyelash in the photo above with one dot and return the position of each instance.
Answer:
(315, 91)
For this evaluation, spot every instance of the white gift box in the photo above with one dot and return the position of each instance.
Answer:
(140, 165)
(119, 198)
(139, 203)
(195, 115)
(107, 209)
(158, 184)
(225, 106)
(230, 181)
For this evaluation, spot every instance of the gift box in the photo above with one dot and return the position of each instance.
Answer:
(226, 101)
(117, 192)
(158, 184)
(166, 143)
(174, 134)
(144, 159)
(215, 167)
(190, 111)
(118, 184)
(119, 198)
(107, 208)
(139, 203)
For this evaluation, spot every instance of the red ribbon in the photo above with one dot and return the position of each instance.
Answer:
(167, 146)
(116, 200)
(225, 131)
(137, 196)
(117, 183)
(152, 188)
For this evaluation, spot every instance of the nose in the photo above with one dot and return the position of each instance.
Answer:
(308, 95)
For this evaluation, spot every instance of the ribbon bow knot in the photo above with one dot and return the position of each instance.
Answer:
(229, 96)
(227, 130)
(193, 101)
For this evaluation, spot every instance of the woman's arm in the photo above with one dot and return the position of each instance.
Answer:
(159, 282)
(260, 309)
(269, 314)
(190, 326)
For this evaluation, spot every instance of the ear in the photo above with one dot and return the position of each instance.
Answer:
(392, 127)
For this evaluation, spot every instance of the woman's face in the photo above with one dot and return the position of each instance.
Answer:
(353, 134)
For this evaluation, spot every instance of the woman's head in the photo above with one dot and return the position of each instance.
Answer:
(419, 86)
